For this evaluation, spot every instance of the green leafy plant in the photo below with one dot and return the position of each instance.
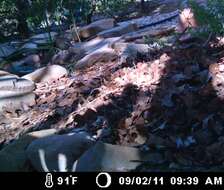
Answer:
(210, 17)
(20, 18)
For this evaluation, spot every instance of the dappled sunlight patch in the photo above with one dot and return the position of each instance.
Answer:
(187, 20)
(216, 71)
(143, 75)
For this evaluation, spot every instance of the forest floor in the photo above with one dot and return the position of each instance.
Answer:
(168, 103)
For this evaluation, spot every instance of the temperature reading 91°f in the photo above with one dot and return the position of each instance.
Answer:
(68, 180)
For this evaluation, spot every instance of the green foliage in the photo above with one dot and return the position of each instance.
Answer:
(210, 17)
(35, 14)
(7, 15)
(110, 6)
(44, 13)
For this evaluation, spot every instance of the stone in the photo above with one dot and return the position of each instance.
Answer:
(21, 102)
(13, 157)
(58, 152)
(26, 65)
(15, 93)
(96, 27)
(114, 158)
(62, 43)
(138, 48)
(33, 42)
(118, 31)
(88, 47)
(10, 87)
(47, 74)
(29, 46)
(7, 75)
(139, 41)
(103, 54)
(147, 21)
(149, 32)
(6, 49)
(43, 38)
(82, 49)
(62, 57)
(129, 51)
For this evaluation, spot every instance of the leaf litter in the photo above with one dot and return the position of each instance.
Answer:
(170, 103)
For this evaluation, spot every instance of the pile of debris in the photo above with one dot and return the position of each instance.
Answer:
(132, 93)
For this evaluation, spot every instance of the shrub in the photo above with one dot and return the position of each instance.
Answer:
(210, 17)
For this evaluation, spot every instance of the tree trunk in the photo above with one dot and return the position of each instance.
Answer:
(93, 9)
(22, 7)
(142, 6)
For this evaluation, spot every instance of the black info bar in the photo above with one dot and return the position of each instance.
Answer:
(112, 180)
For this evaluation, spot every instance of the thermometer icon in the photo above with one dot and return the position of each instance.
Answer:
(49, 182)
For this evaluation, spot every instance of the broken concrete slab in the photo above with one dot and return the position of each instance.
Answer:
(81, 49)
(25, 65)
(47, 74)
(43, 38)
(7, 75)
(129, 52)
(17, 102)
(103, 54)
(93, 45)
(7, 49)
(15, 92)
(149, 32)
(13, 87)
(29, 46)
(151, 20)
(96, 27)
(118, 30)
(138, 48)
